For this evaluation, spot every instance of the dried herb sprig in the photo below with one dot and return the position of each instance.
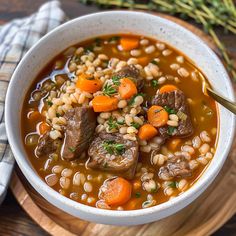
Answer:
(209, 13)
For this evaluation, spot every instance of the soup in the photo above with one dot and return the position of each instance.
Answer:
(119, 122)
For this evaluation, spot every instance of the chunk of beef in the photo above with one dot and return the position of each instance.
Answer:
(177, 166)
(176, 101)
(123, 164)
(132, 72)
(79, 130)
(46, 145)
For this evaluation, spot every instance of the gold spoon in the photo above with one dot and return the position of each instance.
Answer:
(231, 106)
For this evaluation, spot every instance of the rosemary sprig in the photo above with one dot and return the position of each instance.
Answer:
(209, 13)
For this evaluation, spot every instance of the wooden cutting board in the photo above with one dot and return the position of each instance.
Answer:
(204, 216)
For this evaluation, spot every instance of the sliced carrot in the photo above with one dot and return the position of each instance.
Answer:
(88, 84)
(157, 116)
(118, 192)
(44, 128)
(104, 103)
(127, 88)
(167, 88)
(132, 204)
(129, 43)
(174, 143)
(147, 132)
(34, 116)
(143, 61)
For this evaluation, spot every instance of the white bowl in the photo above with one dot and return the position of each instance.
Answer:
(107, 23)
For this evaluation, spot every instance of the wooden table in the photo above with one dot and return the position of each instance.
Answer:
(13, 220)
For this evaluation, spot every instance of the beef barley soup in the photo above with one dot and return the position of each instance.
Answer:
(119, 122)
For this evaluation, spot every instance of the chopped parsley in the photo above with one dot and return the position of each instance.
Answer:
(112, 124)
(109, 90)
(116, 80)
(113, 39)
(173, 184)
(88, 49)
(154, 62)
(171, 130)
(135, 125)
(154, 83)
(57, 115)
(72, 149)
(169, 110)
(131, 101)
(113, 148)
(98, 41)
(49, 103)
(154, 190)
(137, 195)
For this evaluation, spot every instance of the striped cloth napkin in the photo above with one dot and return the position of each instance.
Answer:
(16, 38)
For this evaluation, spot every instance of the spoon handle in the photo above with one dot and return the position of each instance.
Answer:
(223, 101)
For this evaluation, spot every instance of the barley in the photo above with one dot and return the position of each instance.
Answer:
(183, 184)
(144, 42)
(81, 99)
(131, 137)
(174, 66)
(209, 155)
(105, 115)
(51, 179)
(57, 169)
(158, 159)
(160, 46)
(146, 176)
(202, 160)
(72, 67)
(166, 52)
(138, 101)
(189, 149)
(78, 179)
(205, 137)
(133, 111)
(172, 123)
(138, 120)
(132, 130)
(183, 72)
(180, 59)
(142, 142)
(55, 134)
(162, 80)
(102, 205)
(103, 57)
(100, 128)
(128, 119)
(100, 120)
(193, 164)
(91, 200)
(196, 142)
(168, 191)
(64, 182)
(173, 117)
(132, 61)
(150, 49)
(84, 197)
(135, 53)
(67, 172)
(204, 148)
(146, 148)
(150, 186)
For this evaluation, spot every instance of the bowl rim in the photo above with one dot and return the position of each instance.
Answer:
(32, 175)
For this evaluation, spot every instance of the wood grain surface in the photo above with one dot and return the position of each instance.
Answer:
(14, 221)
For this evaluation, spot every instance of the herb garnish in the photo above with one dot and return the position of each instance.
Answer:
(137, 195)
(154, 62)
(109, 90)
(115, 80)
(113, 148)
(154, 83)
(114, 39)
(98, 41)
(88, 49)
(169, 110)
(135, 125)
(49, 103)
(173, 184)
(57, 115)
(131, 101)
(120, 122)
(72, 149)
(171, 130)
(112, 124)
